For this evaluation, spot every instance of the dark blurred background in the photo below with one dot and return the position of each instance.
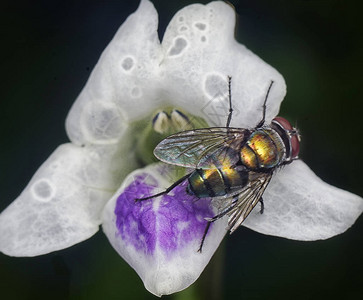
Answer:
(48, 50)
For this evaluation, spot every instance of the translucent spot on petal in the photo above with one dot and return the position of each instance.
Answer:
(54, 165)
(101, 122)
(203, 38)
(127, 63)
(179, 46)
(136, 92)
(216, 85)
(43, 190)
(181, 19)
(183, 28)
(200, 26)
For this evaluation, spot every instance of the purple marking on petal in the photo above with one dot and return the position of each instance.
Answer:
(170, 221)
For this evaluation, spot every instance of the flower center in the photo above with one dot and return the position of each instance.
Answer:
(154, 128)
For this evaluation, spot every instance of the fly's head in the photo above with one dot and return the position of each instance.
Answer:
(290, 137)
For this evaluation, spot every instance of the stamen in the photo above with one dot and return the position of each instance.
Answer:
(180, 121)
(161, 122)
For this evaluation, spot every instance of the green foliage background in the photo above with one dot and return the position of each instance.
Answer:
(48, 51)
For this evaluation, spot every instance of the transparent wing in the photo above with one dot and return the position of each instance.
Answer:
(243, 202)
(204, 148)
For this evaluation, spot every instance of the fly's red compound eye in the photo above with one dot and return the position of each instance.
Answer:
(294, 136)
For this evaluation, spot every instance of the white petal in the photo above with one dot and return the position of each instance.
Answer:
(159, 238)
(122, 84)
(201, 52)
(58, 208)
(300, 206)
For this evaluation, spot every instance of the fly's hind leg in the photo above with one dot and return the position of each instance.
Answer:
(204, 235)
(262, 206)
(174, 185)
(215, 218)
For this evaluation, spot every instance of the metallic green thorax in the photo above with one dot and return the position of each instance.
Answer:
(263, 149)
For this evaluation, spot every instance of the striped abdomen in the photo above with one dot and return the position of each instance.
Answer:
(216, 182)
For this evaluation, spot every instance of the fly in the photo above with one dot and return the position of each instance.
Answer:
(234, 165)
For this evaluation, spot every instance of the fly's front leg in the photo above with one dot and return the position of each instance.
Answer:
(262, 122)
(230, 102)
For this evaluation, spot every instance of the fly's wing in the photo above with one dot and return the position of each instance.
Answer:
(248, 197)
(204, 148)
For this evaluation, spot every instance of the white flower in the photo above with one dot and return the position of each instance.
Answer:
(77, 188)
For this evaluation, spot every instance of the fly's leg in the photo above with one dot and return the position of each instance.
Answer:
(262, 206)
(215, 218)
(230, 102)
(175, 184)
(260, 124)
(204, 235)
(224, 211)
